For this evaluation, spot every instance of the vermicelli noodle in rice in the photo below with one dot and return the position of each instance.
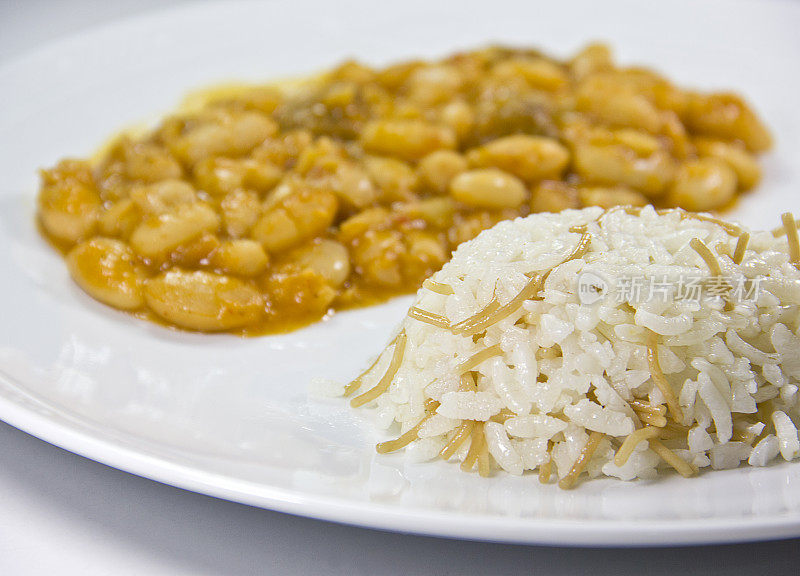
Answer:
(589, 343)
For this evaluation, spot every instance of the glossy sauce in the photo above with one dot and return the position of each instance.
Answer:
(259, 210)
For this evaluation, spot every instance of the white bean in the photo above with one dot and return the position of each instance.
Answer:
(328, 258)
(105, 269)
(488, 188)
(203, 301)
(155, 238)
(240, 257)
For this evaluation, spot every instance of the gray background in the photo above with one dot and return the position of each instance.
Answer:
(63, 514)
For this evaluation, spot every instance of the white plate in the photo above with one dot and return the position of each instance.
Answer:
(231, 417)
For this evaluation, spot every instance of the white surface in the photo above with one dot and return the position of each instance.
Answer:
(111, 546)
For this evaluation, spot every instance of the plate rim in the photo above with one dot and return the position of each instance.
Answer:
(445, 524)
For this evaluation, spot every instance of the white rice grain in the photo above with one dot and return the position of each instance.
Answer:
(563, 369)
(717, 405)
(534, 426)
(765, 451)
(594, 417)
(787, 434)
(501, 448)
(470, 405)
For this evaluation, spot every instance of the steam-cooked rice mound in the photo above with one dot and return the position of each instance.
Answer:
(613, 343)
